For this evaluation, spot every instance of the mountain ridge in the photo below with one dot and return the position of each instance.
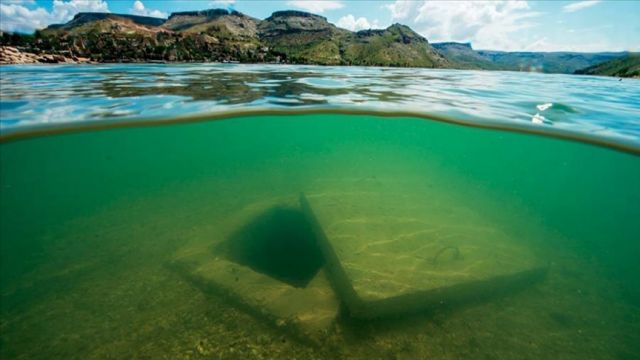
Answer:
(288, 36)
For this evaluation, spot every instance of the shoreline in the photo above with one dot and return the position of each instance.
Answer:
(11, 55)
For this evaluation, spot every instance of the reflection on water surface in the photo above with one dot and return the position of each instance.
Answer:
(50, 94)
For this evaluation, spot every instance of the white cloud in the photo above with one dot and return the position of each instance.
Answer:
(349, 22)
(544, 44)
(401, 9)
(15, 16)
(223, 3)
(486, 24)
(579, 5)
(139, 9)
(18, 18)
(65, 10)
(316, 7)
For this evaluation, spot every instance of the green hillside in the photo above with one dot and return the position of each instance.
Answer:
(628, 66)
(220, 35)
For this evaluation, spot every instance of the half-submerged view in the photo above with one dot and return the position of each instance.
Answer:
(319, 179)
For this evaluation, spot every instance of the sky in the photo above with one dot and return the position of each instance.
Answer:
(495, 25)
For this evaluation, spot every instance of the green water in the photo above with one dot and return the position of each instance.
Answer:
(89, 222)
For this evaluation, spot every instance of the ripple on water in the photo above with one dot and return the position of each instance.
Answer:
(75, 93)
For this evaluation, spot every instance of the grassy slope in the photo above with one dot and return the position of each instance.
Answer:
(315, 47)
(628, 66)
(395, 46)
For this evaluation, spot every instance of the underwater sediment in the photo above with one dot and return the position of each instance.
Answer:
(190, 240)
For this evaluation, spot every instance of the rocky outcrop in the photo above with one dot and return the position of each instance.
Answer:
(214, 22)
(87, 17)
(287, 22)
(12, 55)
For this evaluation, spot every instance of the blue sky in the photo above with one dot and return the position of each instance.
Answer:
(500, 25)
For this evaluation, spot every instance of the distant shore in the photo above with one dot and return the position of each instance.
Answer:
(12, 55)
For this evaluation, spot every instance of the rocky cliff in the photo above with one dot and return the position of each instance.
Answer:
(230, 36)
(13, 55)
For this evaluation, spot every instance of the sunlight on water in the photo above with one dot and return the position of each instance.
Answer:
(316, 236)
(33, 95)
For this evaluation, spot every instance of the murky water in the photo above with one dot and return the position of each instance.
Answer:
(169, 242)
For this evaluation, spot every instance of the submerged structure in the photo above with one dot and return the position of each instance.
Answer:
(267, 262)
(369, 250)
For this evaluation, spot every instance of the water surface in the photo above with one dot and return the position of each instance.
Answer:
(50, 94)
(92, 221)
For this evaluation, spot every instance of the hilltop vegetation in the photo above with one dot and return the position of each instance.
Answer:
(396, 45)
(628, 66)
